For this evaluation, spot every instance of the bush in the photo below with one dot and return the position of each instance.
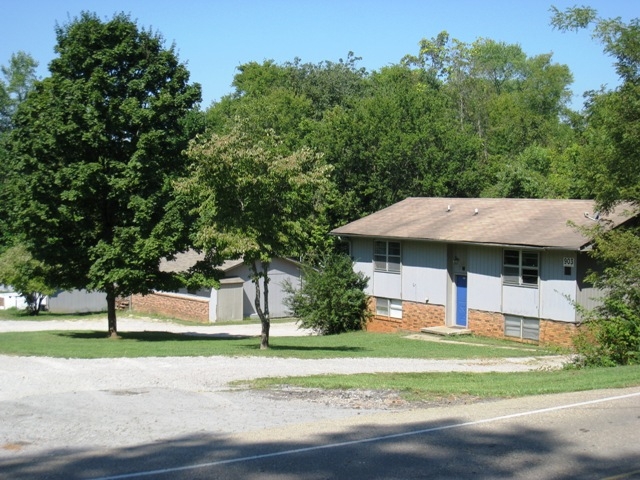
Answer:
(610, 334)
(331, 299)
(611, 339)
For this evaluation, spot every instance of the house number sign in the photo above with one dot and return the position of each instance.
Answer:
(568, 262)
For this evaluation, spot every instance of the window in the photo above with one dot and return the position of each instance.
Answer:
(520, 268)
(386, 256)
(522, 327)
(387, 307)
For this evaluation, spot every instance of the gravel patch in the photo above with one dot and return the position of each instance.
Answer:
(54, 403)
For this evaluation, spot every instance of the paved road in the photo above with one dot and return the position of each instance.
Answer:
(588, 435)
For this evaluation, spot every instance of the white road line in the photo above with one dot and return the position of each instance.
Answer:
(364, 440)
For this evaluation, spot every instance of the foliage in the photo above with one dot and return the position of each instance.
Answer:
(612, 137)
(255, 200)
(613, 117)
(611, 332)
(331, 299)
(26, 275)
(457, 119)
(95, 147)
(19, 78)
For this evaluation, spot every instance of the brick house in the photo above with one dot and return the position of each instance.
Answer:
(503, 268)
(232, 300)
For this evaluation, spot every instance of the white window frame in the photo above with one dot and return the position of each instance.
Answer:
(387, 256)
(524, 328)
(388, 307)
(522, 270)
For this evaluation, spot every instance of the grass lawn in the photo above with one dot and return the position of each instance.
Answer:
(95, 344)
(434, 386)
(414, 386)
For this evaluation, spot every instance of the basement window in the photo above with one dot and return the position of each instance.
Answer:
(524, 328)
(387, 307)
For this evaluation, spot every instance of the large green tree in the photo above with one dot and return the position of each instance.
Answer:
(612, 150)
(95, 148)
(509, 103)
(17, 80)
(26, 275)
(256, 200)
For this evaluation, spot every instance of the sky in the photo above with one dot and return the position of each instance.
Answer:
(214, 37)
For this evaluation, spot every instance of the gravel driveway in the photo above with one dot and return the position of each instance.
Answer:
(49, 404)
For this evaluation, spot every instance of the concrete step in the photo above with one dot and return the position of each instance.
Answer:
(446, 331)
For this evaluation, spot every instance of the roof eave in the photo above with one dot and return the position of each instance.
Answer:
(467, 242)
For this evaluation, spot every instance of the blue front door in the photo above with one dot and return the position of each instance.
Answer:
(461, 300)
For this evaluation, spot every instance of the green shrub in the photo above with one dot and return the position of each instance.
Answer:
(610, 334)
(331, 299)
(610, 338)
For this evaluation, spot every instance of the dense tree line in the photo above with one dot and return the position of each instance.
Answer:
(111, 164)
(455, 120)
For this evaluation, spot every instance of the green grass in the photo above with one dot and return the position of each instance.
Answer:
(95, 344)
(413, 386)
(22, 315)
(434, 386)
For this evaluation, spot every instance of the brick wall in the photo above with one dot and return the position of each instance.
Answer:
(557, 333)
(486, 324)
(190, 308)
(421, 315)
(491, 324)
(414, 317)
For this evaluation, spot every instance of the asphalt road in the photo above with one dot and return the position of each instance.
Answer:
(586, 435)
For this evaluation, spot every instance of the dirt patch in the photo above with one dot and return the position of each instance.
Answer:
(366, 399)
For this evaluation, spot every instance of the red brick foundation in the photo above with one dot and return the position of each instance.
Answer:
(557, 333)
(189, 308)
(486, 324)
(416, 316)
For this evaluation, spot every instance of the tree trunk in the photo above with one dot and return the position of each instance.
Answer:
(111, 313)
(263, 314)
(266, 318)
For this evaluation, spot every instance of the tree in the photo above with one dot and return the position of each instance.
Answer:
(19, 78)
(95, 148)
(256, 200)
(508, 102)
(26, 275)
(331, 299)
(612, 334)
(612, 139)
(614, 116)
(398, 140)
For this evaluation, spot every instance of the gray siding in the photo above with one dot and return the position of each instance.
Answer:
(428, 268)
(587, 296)
(424, 272)
(362, 255)
(77, 301)
(484, 280)
(557, 290)
(523, 301)
(279, 271)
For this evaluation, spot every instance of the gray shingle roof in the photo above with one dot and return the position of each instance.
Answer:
(500, 221)
(185, 260)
